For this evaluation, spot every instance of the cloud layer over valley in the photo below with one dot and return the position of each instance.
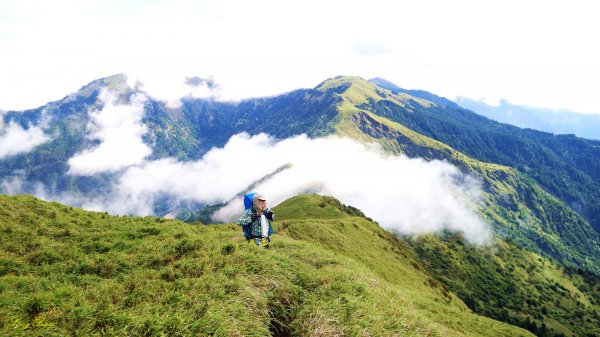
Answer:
(410, 196)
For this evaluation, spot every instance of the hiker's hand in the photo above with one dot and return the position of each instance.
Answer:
(254, 216)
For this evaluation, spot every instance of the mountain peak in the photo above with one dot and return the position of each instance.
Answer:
(354, 90)
(382, 82)
(117, 82)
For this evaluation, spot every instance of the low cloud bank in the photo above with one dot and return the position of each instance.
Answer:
(410, 196)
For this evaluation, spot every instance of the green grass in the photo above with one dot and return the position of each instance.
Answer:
(64, 271)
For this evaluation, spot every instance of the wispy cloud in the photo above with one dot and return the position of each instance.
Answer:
(119, 129)
(172, 89)
(15, 139)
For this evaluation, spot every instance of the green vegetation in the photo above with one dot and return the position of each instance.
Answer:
(514, 285)
(533, 181)
(529, 217)
(501, 281)
(564, 165)
(64, 271)
(518, 209)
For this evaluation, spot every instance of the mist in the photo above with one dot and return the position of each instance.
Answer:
(171, 88)
(408, 196)
(14, 139)
(119, 129)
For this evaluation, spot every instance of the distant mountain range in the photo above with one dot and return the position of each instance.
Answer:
(548, 120)
(540, 191)
(551, 182)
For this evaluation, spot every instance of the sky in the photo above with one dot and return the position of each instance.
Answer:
(536, 53)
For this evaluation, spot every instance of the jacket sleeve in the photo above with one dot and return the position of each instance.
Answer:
(245, 218)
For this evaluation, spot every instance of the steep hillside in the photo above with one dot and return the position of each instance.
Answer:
(44, 169)
(65, 271)
(566, 166)
(501, 281)
(516, 206)
(514, 285)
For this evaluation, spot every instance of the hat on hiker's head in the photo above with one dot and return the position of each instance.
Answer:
(259, 197)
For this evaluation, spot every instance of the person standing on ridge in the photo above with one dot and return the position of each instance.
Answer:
(256, 220)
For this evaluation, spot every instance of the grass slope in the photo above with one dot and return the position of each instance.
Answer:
(64, 271)
(502, 281)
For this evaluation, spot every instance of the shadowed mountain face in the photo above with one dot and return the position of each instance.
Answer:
(541, 191)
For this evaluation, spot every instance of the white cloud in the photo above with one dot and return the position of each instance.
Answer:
(172, 88)
(14, 139)
(410, 196)
(11, 185)
(216, 178)
(119, 128)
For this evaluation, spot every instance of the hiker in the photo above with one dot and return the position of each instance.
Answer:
(256, 220)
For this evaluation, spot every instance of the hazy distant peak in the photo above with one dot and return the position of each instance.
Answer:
(384, 83)
(196, 81)
(543, 119)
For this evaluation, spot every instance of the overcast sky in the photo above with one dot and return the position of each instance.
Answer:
(538, 53)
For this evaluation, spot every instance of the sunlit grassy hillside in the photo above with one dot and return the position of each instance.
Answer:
(500, 281)
(64, 271)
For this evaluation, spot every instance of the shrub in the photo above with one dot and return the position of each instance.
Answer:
(228, 249)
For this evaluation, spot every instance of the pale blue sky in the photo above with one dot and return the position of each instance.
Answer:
(537, 53)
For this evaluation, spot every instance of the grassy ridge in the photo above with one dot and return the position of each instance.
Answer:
(345, 232)
(65, 271)
(502, 281)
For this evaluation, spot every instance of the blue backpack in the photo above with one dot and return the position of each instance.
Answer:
(247, 204)
(248, 200)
